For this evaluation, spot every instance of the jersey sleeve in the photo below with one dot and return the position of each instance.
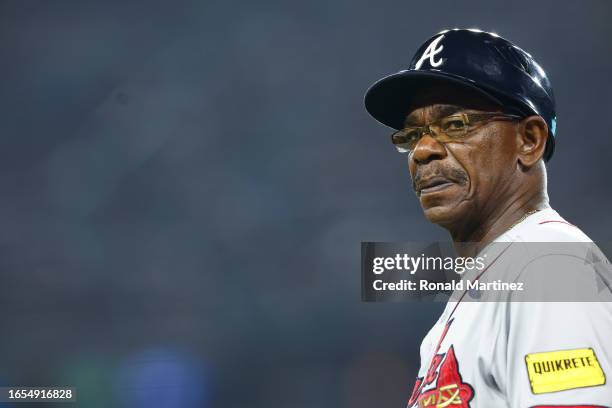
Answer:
(559, 354)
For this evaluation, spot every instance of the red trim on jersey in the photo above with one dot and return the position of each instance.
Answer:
(446, 327)
(562, 222)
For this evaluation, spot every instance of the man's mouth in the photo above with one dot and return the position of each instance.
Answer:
(433, 185)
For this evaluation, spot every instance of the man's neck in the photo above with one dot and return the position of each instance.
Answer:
(470, 238)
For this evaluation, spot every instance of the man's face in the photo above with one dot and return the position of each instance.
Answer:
(457, 182)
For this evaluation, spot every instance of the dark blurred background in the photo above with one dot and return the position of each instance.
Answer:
(185, 186)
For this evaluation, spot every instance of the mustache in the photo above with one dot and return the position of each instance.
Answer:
(452, 174)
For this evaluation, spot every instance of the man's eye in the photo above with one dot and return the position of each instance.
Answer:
(412, 134)
(453, 125)
(405, 136)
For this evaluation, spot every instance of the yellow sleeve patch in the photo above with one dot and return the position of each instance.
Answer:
(563, 370)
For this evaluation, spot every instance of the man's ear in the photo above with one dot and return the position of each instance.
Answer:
(531, 140)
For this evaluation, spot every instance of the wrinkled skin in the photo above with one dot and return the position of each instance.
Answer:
(479, 186)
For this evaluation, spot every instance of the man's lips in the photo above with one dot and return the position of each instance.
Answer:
(432, 185)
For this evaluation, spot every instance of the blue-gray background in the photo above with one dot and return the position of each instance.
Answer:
(185, 186)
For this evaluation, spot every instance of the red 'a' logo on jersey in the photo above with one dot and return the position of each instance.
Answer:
(449, 390)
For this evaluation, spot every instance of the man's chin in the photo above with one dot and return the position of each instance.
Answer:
(446, 207)
(443, 215)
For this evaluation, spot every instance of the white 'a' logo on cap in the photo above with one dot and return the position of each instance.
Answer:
(430, 52)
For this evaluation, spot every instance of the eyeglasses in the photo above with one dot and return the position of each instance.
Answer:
(448, 129)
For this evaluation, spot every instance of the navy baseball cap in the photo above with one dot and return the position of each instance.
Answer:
(477, 60)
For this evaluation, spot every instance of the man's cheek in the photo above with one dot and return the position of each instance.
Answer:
(411, 169)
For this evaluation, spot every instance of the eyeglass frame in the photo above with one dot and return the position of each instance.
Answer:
(466, 116)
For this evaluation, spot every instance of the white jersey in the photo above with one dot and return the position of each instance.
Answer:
(520, 354)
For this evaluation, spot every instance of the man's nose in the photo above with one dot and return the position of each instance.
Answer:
(428, 149)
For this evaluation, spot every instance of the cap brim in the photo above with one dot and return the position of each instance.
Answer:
(392, 98)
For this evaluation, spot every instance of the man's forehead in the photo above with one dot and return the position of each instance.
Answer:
(445, 97)
(415, 116)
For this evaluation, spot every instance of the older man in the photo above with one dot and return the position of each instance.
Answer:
(475, 115)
